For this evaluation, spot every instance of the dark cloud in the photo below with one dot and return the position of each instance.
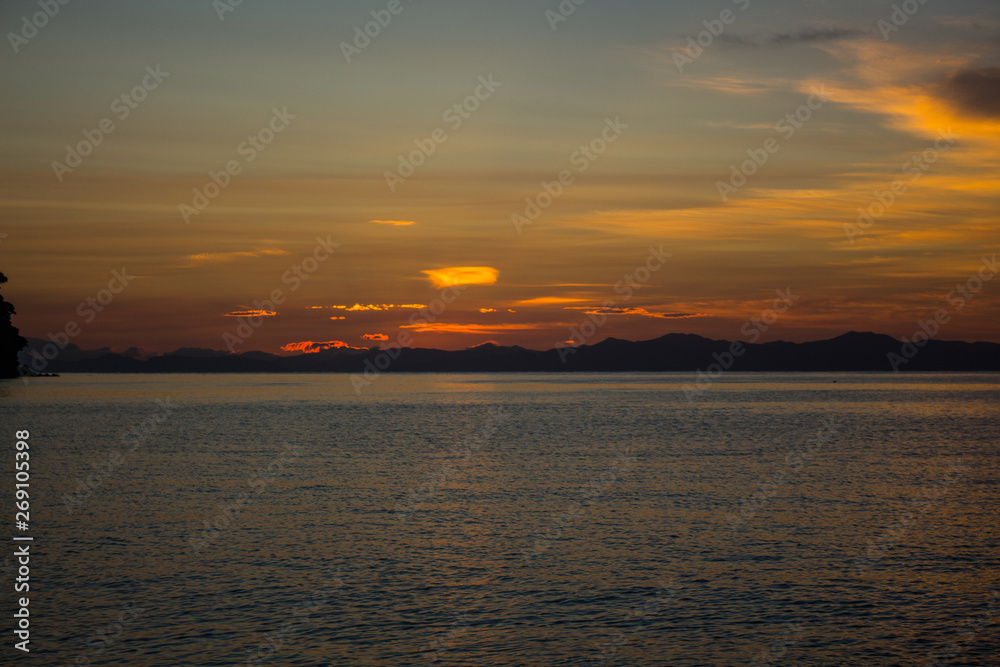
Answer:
(737, 40)
(681, 316)
(635, 310)
(975, 91)
(807, 36)
(810, 35)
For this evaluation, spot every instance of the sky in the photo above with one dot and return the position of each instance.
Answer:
(266, 176)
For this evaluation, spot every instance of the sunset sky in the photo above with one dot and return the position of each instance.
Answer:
(640, 127)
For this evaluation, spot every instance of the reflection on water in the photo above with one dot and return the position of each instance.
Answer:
(512, 519)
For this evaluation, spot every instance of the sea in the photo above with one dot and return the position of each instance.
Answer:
(504, 519)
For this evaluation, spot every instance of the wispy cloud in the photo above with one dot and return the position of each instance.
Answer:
(225, 257)
(897, 82)
(396, 223)
(737, 85)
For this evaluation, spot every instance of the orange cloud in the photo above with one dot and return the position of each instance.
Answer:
(310, 347)
(442, 327)
(487, 310)
(376, 337)
(547, 301)
(898, 89)
(385, 306)
(360, 307)
(462, 275)
(397, 223)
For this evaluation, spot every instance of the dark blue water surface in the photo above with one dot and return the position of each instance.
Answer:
(509, 519)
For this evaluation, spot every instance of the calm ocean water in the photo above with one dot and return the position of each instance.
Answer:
(509, 520)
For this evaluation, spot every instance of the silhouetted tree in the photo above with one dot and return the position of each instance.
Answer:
(11, 341)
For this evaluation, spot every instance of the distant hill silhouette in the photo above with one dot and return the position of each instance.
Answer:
(674, 352)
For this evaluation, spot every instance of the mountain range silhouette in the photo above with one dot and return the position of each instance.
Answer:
(852, 351)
